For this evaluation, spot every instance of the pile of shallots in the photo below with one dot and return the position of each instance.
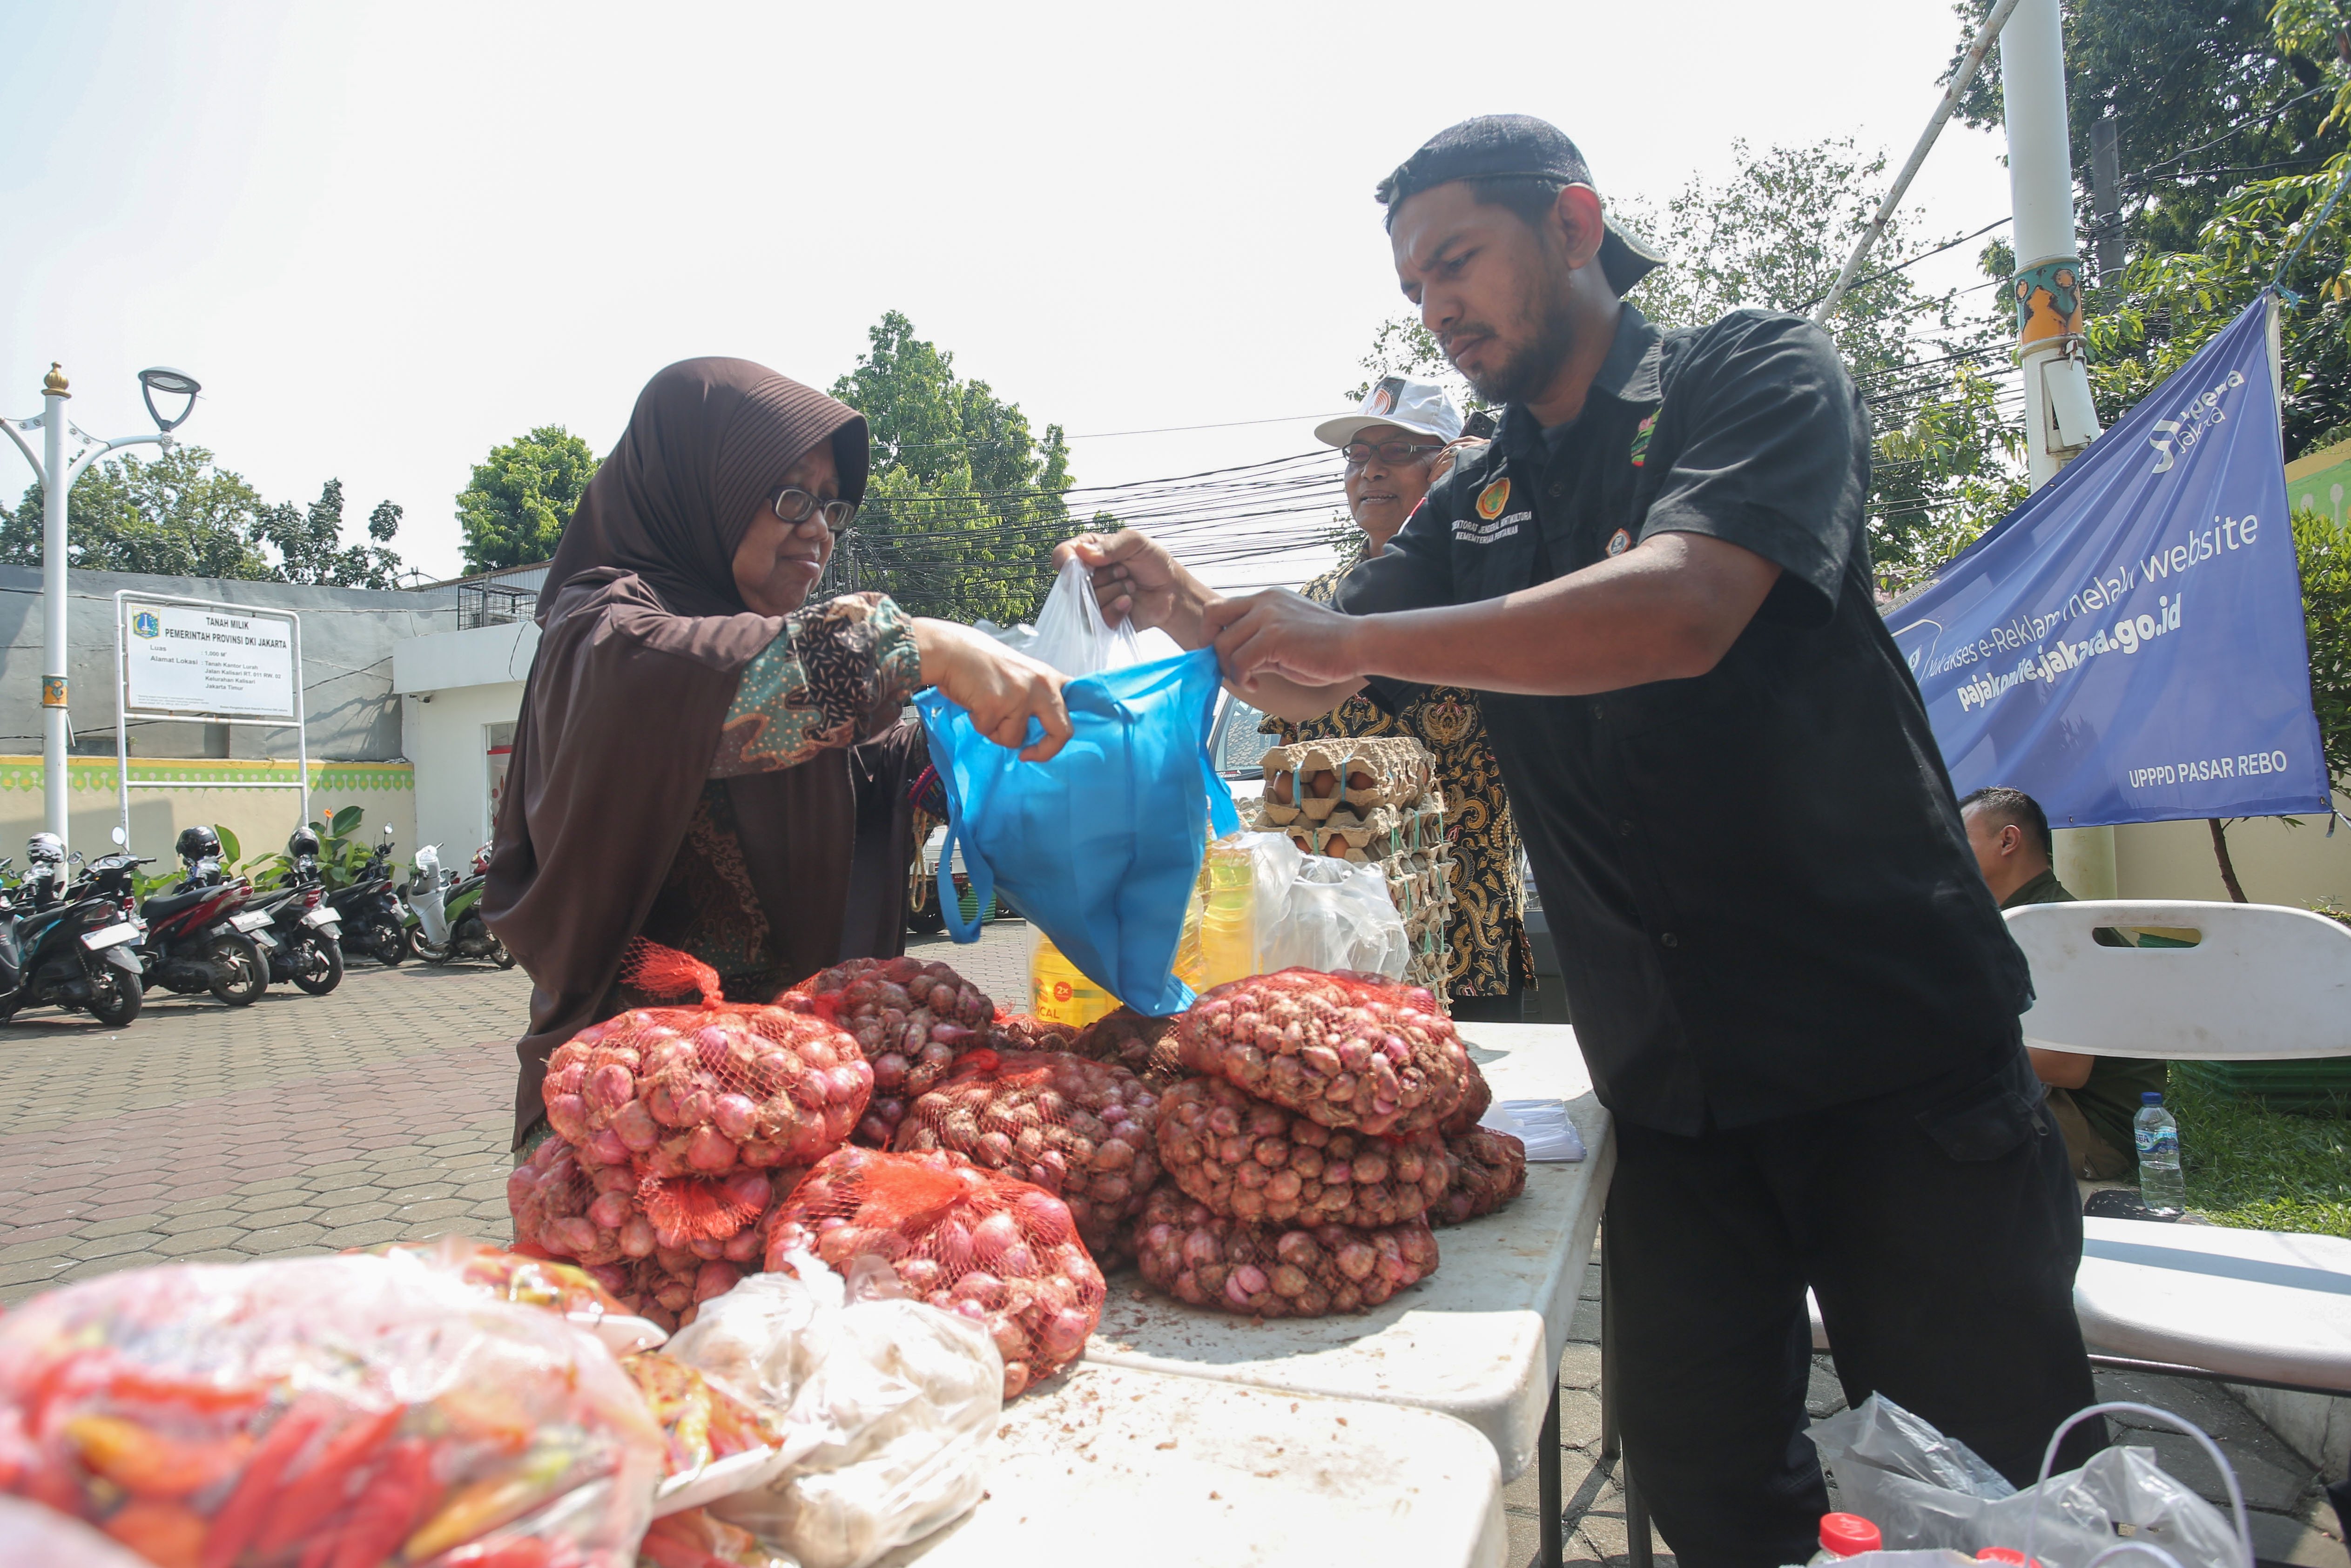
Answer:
(912, 1021)
(1081, 1130)
(1312, 1149)
(964, 1239)
(676, 1131)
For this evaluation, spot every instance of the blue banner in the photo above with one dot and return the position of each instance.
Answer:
(2127, 646)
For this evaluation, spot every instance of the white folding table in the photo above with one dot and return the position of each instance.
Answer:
(1481, 1339)
(1113, 1464)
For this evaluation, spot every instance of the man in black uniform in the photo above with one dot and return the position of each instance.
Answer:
(1791, 986)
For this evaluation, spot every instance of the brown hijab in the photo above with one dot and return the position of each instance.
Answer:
(642, 639)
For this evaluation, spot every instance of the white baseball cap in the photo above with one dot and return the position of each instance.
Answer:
(1408, 404)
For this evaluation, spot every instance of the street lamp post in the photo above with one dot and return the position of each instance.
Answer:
(57, 470)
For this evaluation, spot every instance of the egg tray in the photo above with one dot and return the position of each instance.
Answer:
(1399, 768)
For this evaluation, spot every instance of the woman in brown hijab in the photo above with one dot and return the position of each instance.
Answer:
(695, 746)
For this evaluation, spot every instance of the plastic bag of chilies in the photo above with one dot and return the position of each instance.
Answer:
(1100, 846)
(342, 1411)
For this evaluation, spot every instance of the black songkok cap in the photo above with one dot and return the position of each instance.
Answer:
(1517, 147)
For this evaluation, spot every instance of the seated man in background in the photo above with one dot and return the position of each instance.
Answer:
(2092, 1098)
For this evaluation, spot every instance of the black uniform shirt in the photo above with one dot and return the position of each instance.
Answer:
(1756, 879)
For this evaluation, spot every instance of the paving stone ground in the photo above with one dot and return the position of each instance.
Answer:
(383, 1113)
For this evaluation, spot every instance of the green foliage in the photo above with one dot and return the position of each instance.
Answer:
(2248, 1166)
(514, 508)
(178, 515)
(342, 854)
(231, 850)
(311, 549)
(965, 501)
(2323, 551)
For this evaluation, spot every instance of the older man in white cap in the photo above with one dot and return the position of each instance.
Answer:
(1400, 441)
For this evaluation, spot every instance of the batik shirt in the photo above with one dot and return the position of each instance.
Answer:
(814, 688)
(1485, 933)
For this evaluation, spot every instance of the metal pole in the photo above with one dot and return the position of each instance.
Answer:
(56, 485)
(1960, 80)
(2060, 418)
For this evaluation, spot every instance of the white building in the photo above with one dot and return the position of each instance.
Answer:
(460, 692)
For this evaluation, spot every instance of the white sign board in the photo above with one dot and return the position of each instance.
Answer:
(185, 658)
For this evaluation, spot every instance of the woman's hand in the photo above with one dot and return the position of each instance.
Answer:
(1134, 577)
(1000, 689)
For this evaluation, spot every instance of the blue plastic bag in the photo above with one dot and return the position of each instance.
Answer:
(1098, 847)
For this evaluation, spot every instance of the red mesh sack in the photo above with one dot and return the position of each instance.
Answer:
(912, 1019)
(1081, 1130)
(1023, 1032)
(965, 1240)
(1125, 1037)
(1345, 1050)
(696, 1100)
(1477, 1099)
(1490, 1169)
(1251, 1159)
(1275, 1270)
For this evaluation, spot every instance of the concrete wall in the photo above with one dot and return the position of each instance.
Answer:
(454, 686)
(348, 635)
(2275, 863)
(167, 794)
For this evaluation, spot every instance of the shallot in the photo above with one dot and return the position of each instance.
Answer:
(1272, 1271)
(1127, 1038)
(975, 1242)
(1347, 1050)
(1081, 1130)
(1490, 1169)
(1251, 1159)
(910, 1019)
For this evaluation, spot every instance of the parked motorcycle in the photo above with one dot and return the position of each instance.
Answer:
(448, 913)
(303, 927)
(200, 935)
(71, 945)
(374, 924)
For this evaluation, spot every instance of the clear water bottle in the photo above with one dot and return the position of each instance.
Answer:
(2160, 1187)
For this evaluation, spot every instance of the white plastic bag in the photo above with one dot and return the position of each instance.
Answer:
(1071, 633)
(1542, 1125)
(1338, 916)
(1922, 1489)
(887, 1406)
(32, 1536)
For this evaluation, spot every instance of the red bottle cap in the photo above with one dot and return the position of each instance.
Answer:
(2007, 1554)
(1847, 1534)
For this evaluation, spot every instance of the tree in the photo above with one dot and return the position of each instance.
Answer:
(180, 515)
(311, 549)
(176, 515)
(2323, 549)
(964, 502)
(514, 508)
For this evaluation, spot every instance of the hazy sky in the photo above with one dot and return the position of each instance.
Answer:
(388, 237)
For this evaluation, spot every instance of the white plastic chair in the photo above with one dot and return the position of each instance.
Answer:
(2263, 983)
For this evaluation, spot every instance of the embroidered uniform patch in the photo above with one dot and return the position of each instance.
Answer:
(1493, 499)
(1619, 542)
(1641, 441)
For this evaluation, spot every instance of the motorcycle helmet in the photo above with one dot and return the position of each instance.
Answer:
(45, 848)
(303, 842)
(196, 843)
